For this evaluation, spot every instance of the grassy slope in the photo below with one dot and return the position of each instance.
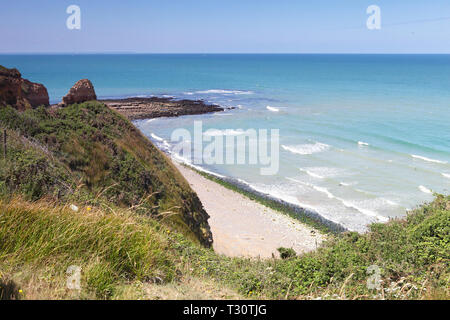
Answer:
(90, 154)
(125, 253)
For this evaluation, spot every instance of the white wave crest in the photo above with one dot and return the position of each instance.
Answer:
(361, 143)
(425, 190)
(346, 203)
(312, 174)
(428, 159)
(321, 172)
(220, 91)
(352, 205)
(283, 193)
(272, 109)
(447, 175)
(392, 203)
(305, 149)
(161, 142)
(154, 136)
(227, 132)
(187, 162)
(367, 212)
(324, 190)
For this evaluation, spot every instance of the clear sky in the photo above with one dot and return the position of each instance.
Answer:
(225, 26)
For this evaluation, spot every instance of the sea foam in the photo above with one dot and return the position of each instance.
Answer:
(154, 136)
(163, 143)
(346, 203)
(305, 149)
(321, 172)
(425, 190)
(227, 132)
(272, 109)
(428, 159)
(220, 91)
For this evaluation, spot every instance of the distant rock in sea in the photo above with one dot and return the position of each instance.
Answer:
(81, 91)
(154, 107)
(21, 93)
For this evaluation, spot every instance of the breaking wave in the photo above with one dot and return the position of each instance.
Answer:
(305, 149)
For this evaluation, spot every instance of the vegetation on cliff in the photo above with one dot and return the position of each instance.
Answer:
(137, 227)
(124, 255)
(91, 155)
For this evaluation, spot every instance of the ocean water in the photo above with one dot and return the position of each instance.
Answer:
(362, 137)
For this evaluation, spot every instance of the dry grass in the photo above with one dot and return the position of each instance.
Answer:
(111, 248)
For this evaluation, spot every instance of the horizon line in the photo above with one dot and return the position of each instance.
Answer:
(224, 53)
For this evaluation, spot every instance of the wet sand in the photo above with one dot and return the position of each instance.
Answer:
(243, 227)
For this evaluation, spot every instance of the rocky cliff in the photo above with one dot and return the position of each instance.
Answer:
(81, 91)
(20, 93)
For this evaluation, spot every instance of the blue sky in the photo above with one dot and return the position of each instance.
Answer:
(226, 26)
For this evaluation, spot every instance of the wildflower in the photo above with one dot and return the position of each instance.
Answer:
(74, 207)
(88, 208)
(20, 291)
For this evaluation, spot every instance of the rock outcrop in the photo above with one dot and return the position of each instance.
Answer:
(147, 108)
(20, 93)
(81, 91)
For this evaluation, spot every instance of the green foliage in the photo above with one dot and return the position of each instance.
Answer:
(87, 152)
(122, 248)
(412, 254)
(109, 248)
(286, 253)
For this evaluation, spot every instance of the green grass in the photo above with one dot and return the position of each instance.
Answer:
(123, 252)
(412, 255)
(89, 154)
(111, 249)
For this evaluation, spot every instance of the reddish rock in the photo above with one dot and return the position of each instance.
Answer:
(20, 93)
(35, 93)
(82, 91)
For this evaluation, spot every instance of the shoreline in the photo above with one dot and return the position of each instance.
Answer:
(305, 216)
(141, 108)
(244, 227)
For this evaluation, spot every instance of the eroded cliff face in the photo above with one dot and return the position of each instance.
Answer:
(20, 93)
(82, 91)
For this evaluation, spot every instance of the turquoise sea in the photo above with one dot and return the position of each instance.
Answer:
(362, 137)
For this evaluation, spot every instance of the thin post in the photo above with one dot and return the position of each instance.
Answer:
(4, 143)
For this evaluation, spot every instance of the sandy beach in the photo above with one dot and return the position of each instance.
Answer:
(243, 227)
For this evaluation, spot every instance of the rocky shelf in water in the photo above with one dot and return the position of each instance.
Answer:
(155, 107)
